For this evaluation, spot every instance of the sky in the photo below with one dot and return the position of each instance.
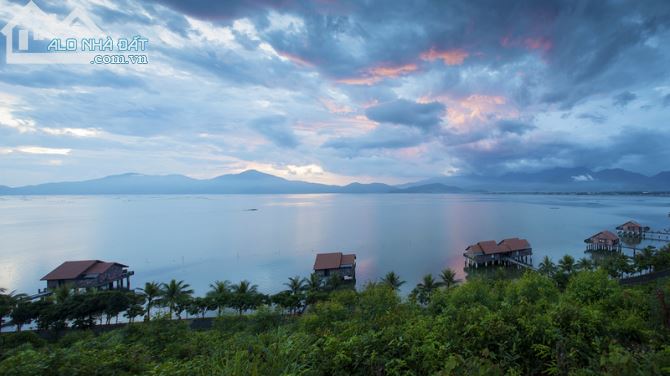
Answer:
(343, 91)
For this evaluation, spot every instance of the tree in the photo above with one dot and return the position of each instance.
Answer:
(245, 296)
(547, 266)
(392, 280)
(175, 295)
(5, 305)
(115, 302)
(295, 294)
(314, 289)
(199, 306)
(62, 293)
(334, 281)
(566, 264)
(448, 277)
(151, 292)
(23, 313)
(424, 289)
(219, 294)
(296, 285)
(584, 264)
(643, 259)
(135, 307)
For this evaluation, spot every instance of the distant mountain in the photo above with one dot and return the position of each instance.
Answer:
(247, 182)
(367, 188)
(255, 182)
(557, 180)
(430, 188)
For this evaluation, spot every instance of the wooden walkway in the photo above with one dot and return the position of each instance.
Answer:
(644, 278)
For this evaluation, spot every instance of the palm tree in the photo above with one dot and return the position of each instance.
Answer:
(62, 293)
(5, 305)
(220, 291)
(584, 264)
(296, 291)
(151, 292)
(244, 296)
(424, 290)
(174, 295)
(296, 285)
(645, 258)
(566, 264)
(314, 288)
(392, 280)
(8, 304)
(448, 277)
(547, 266)
(314, 283)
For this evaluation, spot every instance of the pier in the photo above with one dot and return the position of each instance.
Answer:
(508, 252)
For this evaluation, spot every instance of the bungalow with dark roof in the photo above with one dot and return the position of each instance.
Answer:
(327, 264)
(508, 251)
(632, 228)
(89, 274)
(603, 241)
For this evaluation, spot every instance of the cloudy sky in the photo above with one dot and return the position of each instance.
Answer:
(341, 91)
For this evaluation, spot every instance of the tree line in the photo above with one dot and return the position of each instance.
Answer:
(68, 307)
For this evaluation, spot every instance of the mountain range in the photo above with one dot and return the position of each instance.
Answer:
(255, 182)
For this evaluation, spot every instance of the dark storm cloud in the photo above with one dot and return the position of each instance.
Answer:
(666, 100)
(594, 117)
(387, 137)
(276, 129)
(587, 47)
(622, 99)
(515, 127)
(219, 10)
(425, 116)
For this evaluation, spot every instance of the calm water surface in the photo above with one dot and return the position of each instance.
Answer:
(204, 238)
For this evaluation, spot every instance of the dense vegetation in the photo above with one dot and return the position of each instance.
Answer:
(570, 318)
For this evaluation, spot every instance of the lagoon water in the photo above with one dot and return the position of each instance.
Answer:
(201, 239)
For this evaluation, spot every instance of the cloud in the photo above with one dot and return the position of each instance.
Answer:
(41, 150)
(425, 116)
(449, 57)
(387, 137)
(594, 117)
(515, 127)
(580, 178)
(622, 99)
(276, 129)
(486, 88)
(666, 100)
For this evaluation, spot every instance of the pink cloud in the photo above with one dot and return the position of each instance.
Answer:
(449, 57)
(376, 74)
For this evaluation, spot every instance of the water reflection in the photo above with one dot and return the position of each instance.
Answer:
(205, 238)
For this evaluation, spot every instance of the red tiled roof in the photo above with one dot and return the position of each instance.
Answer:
(507, 245)
(486, 246)
(74, 269)
(603, 235)
(629, 224)
(513, 244)
(333, 260)
(348, 259)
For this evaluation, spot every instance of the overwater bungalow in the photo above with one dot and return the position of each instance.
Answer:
(604, 240)
(512, 251)
(90, 274)
(328, 263)
(632, 228)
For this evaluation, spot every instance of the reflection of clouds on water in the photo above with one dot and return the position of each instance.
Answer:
(409, 234)
(300, 203)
